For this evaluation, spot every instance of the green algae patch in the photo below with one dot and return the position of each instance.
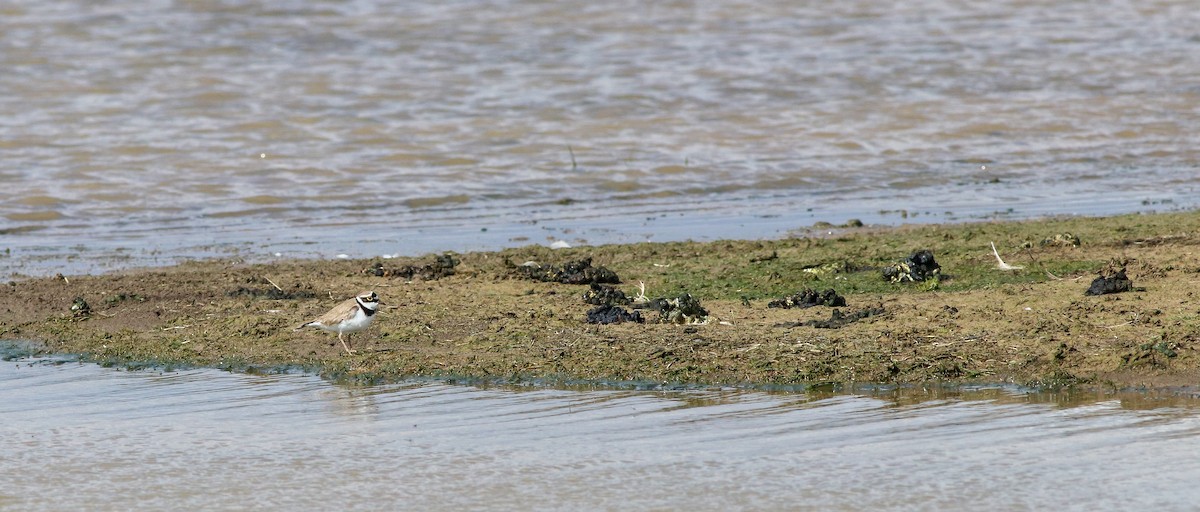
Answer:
(1028, 322)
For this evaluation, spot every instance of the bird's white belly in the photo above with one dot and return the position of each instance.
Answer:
(358, 322)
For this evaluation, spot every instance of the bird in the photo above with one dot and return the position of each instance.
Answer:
(351, 315)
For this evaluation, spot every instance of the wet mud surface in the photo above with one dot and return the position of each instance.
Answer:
(688, 313)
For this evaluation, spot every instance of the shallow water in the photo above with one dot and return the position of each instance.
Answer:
(77, 436)
(139, 133)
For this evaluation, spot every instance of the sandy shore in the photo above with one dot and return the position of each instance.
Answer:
(487, 319)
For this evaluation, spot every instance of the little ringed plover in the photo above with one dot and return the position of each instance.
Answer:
(350, 316)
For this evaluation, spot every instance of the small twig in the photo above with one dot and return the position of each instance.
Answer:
(272, 283)
(1002, 265)
(574, 166)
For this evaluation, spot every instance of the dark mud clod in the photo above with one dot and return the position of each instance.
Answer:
(603, 295)
(609, 314)
(80, 308)
(683, 309)
(837, 319)
(1110, 282)
(808, 298)
(573, 272)
(920, 266)
(442, 266)
(1061, 240)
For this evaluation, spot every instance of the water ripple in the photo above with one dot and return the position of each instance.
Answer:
(456, 116)
(214, 440)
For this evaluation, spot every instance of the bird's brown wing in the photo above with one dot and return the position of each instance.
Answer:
(341, 311)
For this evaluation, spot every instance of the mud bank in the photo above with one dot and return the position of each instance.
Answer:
(488, 316)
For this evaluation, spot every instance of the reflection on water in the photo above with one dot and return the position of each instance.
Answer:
(77, 436)
(161, 130)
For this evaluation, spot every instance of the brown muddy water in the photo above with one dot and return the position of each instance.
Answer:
(81, 437)
(140, 133)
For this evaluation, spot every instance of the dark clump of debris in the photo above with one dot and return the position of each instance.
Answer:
(808, 298)
(270, 293)
(573, 272)
(920, 266)
(603, 295)
(609, 314)
(683, 309)
(1062, 240)
(837, 319)
(442, 266)
(80, 308)
(1110, 282)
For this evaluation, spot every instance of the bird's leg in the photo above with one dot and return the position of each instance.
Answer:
(344, 344)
